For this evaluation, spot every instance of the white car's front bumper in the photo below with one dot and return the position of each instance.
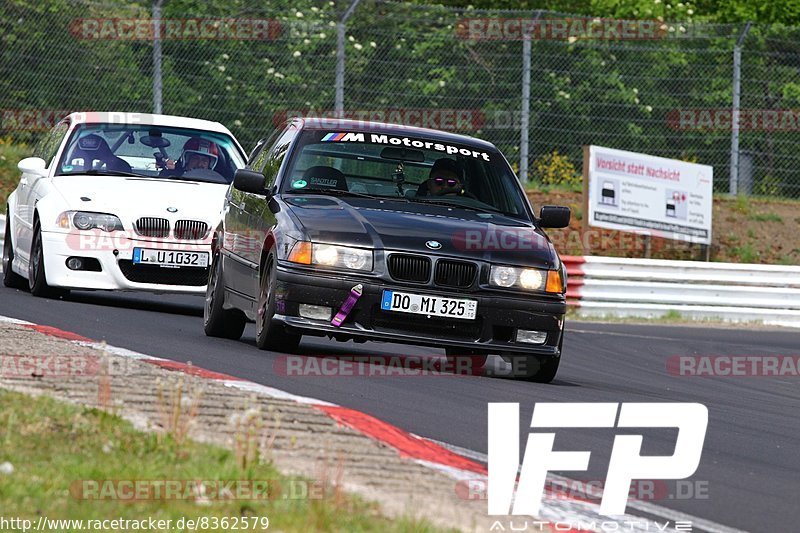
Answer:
(117, 269)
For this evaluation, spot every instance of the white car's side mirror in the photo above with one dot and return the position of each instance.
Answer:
(33, 165)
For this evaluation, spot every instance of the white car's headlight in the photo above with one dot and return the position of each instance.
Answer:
(329, 255)
(87, 220)
(529, 279)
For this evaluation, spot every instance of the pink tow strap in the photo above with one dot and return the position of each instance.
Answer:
(347, 306)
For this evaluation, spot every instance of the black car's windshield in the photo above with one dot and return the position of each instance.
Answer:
(406, 167)
(150, 151)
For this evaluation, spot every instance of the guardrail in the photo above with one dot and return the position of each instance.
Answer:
(651, 288)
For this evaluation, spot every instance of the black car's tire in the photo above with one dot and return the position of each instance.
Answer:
(271, 336)
(37, 279)
(219, 322)
(466, 360)
(543, 368)
(10, 278)
(536, 368)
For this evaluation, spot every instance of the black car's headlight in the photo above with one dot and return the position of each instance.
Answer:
(331, 256)
(87, 220)
(529, 279)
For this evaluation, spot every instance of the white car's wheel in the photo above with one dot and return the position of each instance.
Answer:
(10, 278)
(37, 279)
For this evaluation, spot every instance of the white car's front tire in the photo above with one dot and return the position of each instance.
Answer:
(10, 278)
(37, 278)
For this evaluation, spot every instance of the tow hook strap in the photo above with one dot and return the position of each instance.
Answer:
(347, 306)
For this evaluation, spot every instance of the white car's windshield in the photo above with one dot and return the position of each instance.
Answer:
(416, 169)
(152, 152)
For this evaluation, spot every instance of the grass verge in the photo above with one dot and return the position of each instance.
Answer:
(53, 446)
(671, 317)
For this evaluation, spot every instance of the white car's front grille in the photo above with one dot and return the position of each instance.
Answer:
(152, 227)
(190, 230)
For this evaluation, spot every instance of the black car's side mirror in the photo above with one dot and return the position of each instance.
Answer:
(554, 216)
(249, 181)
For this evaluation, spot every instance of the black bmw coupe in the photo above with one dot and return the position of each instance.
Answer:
(380, 232)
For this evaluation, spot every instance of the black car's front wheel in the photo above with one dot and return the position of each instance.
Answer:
(217, 321)
(536, 368)
(269, 335)
(466, 360)
(10, 278)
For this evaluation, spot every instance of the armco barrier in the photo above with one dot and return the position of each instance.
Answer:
(621, 287)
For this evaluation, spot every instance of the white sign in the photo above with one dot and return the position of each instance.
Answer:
(625, 465)
(651, 195)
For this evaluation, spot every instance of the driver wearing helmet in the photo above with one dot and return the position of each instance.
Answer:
(197, 154)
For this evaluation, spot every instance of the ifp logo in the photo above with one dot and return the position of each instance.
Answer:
(625, 465)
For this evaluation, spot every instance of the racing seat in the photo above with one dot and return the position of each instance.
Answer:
(322, 177)
(94, 148)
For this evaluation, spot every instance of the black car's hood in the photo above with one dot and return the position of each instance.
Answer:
(398, 225)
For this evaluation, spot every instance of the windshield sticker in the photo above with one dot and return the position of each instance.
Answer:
(377, 138)
(299, 184)
(324, 182)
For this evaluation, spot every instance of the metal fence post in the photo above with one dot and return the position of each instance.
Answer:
(157, 83)
(526, 108)
(524, 123)
(733, 184)
(340, 35)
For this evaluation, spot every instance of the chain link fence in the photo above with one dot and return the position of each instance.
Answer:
(538, 84)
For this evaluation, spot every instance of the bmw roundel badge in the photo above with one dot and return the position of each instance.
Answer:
(433, 245)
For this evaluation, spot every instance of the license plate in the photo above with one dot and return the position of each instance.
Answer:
(419, 304)
(169, 258)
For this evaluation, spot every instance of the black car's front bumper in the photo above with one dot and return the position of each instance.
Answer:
(499, 315)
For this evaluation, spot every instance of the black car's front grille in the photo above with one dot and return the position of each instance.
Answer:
(454, 273)
(190, 230)
(152, 227)
(395, 322)
(190, 276)
(415, 268)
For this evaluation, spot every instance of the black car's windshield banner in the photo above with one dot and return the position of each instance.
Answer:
(379, 138)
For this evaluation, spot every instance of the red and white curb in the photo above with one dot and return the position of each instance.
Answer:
(567, 515)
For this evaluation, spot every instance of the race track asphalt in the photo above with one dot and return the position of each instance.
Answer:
(750, 466)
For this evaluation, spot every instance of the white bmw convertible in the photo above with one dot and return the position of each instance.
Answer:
(119, 201)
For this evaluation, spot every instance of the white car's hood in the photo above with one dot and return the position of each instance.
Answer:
(131, 198)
